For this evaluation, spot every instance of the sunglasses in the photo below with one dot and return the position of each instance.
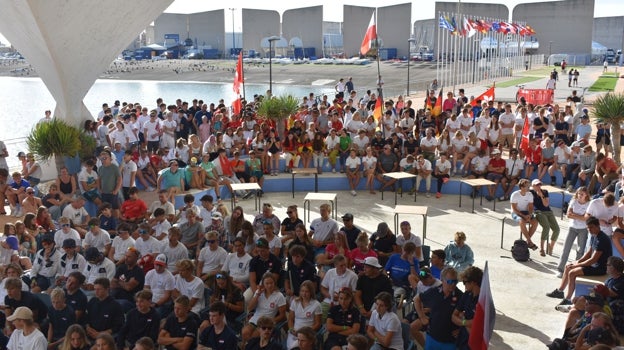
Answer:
(266, 328)
(289, 212)
(451, 281)
(64, 225)
(422, 274)
(142, 231)
(220, 276)
(30, 192)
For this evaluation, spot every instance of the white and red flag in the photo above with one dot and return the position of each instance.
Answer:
(238, 76)
(370, 37)
(485, 315)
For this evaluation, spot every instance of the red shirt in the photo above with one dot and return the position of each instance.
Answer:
(133, 209)
(496, 163)
(609, 165)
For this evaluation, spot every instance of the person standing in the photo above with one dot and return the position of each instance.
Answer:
(545, 217)
(578, 228)
(110, 181)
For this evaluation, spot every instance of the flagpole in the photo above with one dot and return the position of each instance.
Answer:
(379, 84)
(243, 76)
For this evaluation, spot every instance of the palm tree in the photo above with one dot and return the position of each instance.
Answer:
(59, 139)
(279, 109)
(609, 108)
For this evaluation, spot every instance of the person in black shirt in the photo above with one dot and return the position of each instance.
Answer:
(104, 314)
(232, 297)
(350, 230)
(219, 336)
(299, 270)
(74, 296)
(61, 316)
(343, 320)
(383, 242)
(180, 329)
(289, 223)
(263, 262)
(465, 309)
(16, 297)
(142, 321)
(545, 217)
(129, 279)
(265, 340)
(442, 301)
(371, 283)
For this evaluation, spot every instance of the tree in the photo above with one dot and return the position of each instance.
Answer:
(609, 108)
(58, 139)
(279, 109)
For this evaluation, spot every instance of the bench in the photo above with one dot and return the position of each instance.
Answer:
(585, 284)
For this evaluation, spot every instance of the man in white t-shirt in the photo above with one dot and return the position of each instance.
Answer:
(161, 282)
(507, 121)
(120, 245)
(211, 257)
(97, 237)
(407, 236)
(77, 214)
(423, 171)
(66, 232)
(334, 280)
(323, 229)
(605, 210)
(522, 211)
(237, 264)
(162, 202)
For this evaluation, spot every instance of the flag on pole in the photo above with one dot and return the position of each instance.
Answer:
(444, 23)
(469, 29)
(237, 106)
(428, 101)
(526, 128)
(370, 37)
(485, 316)
(437, 108)
(238, 76)
(377, 112)
(486, 96)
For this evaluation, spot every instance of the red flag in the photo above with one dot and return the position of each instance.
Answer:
(427, 101)
(485, 315)
(377, 112)
(437, 109)
(369, 37)
(524, 143)
(237, 106)
(238, 76)
(486, 96)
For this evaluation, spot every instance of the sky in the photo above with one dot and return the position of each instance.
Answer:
(332, 9)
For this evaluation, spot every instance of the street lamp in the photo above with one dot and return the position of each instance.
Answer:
(549, 53)
(410, 41)
(233, 34)
(271, 40)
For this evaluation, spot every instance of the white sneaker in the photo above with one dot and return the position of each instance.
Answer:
(150, 189)
(353, 193)
(13, 210)
(18, 212)
(559, 274)
(334, 170)
(428, 195)
(563, 308)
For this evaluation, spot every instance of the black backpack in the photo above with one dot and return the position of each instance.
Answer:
(520, 250)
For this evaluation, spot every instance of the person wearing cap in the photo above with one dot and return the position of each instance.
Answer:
(129, 279)
(593, 263)
(71, 261)
(133, 210)
(264, 262)
(545, 217)
(171, 179)
(46, 265)
(98, 266)
(26, 334)
(350, 230)
(522, 210)
(66, 232)
(110, 181)
(583, 131)
(369, 285)
(16, 298)
(104, 314)
(383, 242)
(160, 282)
(441, 301)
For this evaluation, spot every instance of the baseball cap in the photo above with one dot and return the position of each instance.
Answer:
(536, 182)
(372, 261)
(21, 154)
(12, 242)
(348, 216)
(91, 254)
(161, 260)
(69, 243)
(21, 313)
(495, 151)
(262, 243)
(599, 335)
(217, 216)
(48, 238)
(584, 116)
(576, 144)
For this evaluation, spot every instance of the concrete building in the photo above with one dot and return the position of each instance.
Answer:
(552, 22)
(205, 29)
(70, 43)
(305, 24)
(609, 31)
(393, 27)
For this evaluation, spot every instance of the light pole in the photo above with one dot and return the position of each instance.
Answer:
(549, 53)
(233, 34)
(271, 40)
(410, 41)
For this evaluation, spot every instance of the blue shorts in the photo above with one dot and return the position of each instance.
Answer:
(516, 217)
(432, 344)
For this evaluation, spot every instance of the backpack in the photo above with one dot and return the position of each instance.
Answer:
(520, 250)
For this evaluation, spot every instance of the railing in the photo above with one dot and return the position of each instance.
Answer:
(16, 145)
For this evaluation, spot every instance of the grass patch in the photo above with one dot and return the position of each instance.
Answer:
(517, 81)
(605, 82)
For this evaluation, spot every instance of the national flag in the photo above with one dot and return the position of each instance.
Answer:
(377, 111)
(483, 26)
(237, 106)
(486, 96)
(469, 29)
(485, 316)
(530, 29)
(370, 37)
(437, 109)
(427, 101)
(238, 76)
(444, 23)
(456, 30)
(524, 142)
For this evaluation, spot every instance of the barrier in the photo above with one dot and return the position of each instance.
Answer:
(536, 96)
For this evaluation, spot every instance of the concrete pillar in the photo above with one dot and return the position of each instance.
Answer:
(71, 42)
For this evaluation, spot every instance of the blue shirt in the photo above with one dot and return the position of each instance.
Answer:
(399, 269)
(171, 179)
(458, 257)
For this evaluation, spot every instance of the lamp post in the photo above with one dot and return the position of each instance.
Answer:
(549, 53)
(410, 41)
(233, 34)
(271, 40)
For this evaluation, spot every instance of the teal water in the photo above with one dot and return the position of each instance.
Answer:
(25, 100)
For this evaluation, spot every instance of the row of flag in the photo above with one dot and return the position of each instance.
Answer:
(469, 27)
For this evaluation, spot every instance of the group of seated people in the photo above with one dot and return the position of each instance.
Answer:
(203, 277)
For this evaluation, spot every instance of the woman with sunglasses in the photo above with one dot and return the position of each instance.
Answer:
(267, 301)
(305, 311)
(264, 340)
(290, 223)
(342, 321)
(225, 291)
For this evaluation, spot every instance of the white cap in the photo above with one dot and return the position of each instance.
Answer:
(372, 261)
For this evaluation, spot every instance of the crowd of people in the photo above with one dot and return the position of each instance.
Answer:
(136, 275)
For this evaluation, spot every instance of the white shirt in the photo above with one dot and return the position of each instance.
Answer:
(522, 202)
(105, 269)
(100, 241)
(507, 118)
(149, 246)
(126, 173)
(369, 162)
(76, 215)
(389, 322)
(121, 246)
(514, 167)
(34, 341)
(174, 254)
(599, 210)
(323, 230)
(353, 163)
(579, 209)
(333, 282)
(60, 236)
(193, 289)
(159, 283)
(562, 155)
(211, 259)
(237, 267)
(443, 166)
(268, 306)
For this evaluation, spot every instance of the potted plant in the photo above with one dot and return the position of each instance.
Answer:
(279, 109)
(609, 108)
(59, 139)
